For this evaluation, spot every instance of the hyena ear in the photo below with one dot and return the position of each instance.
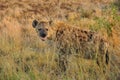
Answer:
(34, 23)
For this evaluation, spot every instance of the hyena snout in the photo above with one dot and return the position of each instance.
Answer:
(42, 33)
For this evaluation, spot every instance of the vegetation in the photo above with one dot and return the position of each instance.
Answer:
(23, 56)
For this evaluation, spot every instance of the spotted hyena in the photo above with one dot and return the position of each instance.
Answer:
(73, 40)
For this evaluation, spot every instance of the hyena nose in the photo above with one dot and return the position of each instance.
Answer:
(43, 35)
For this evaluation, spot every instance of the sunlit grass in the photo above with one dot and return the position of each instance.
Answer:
(23, 56)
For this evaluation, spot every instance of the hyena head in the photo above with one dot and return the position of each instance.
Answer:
(42, 29)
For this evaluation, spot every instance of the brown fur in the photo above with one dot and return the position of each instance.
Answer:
(73, 40)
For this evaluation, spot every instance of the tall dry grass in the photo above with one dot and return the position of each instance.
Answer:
(24, 57)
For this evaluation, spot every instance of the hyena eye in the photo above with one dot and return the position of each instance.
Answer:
(39, 29)
(46, 29)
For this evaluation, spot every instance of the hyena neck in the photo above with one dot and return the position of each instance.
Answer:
(57, 27)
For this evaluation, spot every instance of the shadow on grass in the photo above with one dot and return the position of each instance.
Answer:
(117, 3)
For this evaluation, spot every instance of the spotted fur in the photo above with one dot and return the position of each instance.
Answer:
(73, 40)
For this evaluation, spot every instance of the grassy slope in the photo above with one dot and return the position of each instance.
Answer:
(24, 57)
